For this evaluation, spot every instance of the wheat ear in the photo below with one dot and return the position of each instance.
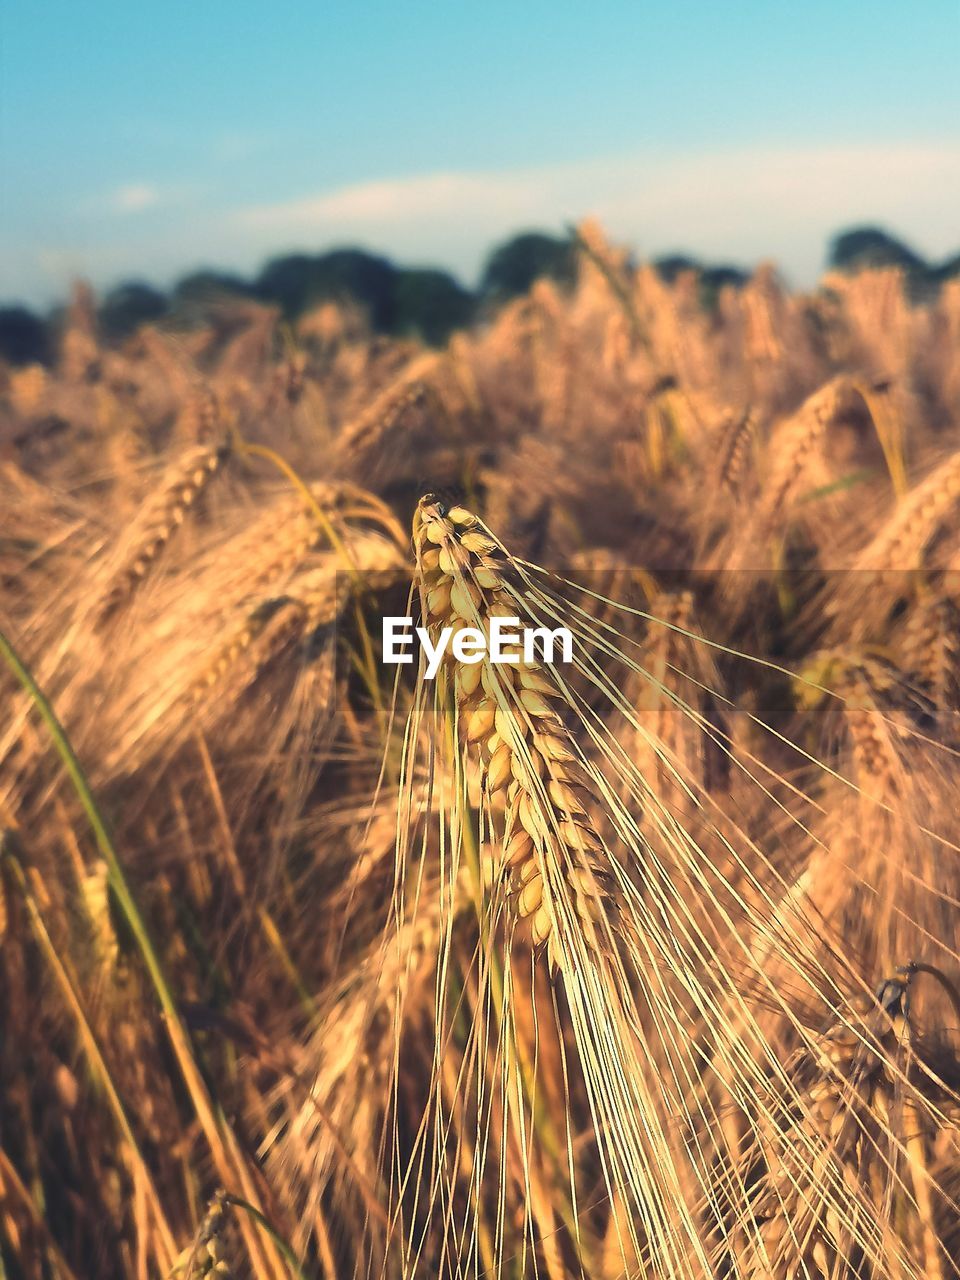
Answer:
(183, 484)
(736, 440)
(861, 1107)
(205, 1256)
(905, 538)
(362, 439)
(509, 716)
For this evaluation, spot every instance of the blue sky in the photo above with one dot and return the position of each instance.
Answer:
(145, 140)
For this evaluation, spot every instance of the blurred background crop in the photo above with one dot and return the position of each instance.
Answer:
(643, 317)
(150, 150)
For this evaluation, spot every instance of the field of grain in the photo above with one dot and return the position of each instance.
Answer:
(642, 966)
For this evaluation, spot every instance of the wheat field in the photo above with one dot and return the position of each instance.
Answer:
(644, 965)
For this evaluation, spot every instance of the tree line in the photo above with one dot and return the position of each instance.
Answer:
(420, 302)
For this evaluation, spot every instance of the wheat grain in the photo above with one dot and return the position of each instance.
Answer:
(442, 1105)
(930, 652)
(677, 713)
(508, 716)
(199, 421)
(902, 542)
(206, 1255)
(733, 452)
(178, 492)
(795, 446)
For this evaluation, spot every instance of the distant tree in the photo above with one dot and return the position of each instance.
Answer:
(513, 266)
(674, 265)
(714, 279)
(209, 286)
(24, 338)
(300, 281)
(430, 304)
(199, 297)
(723, 275)
(711, 279)
(128, 306)
(949, 269)
(863, 247)
(286, 281)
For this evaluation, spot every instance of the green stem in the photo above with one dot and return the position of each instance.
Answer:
(223, 1145)
(288, 1255)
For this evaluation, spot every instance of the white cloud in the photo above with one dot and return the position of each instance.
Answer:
(438, 195)
(779, 203)
(749, 204)
(134, 198)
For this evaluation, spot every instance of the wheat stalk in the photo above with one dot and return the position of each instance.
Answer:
(599, 933)
(864, 1101)
(361, 440)
(337, 1102)
(734, 447)
(199, 421)
(930, 652)
(902, 542)
(80, 349)
(587, 913)
(677, 711)
(508, 716)
(795, 454)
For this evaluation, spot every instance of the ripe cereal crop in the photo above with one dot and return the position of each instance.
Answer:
(641, 963)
